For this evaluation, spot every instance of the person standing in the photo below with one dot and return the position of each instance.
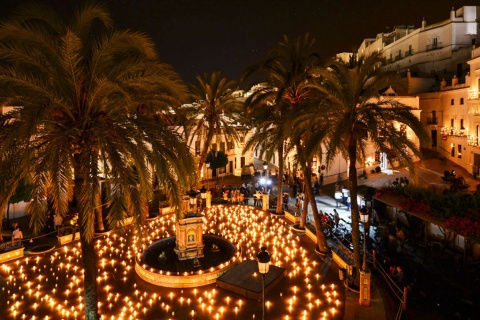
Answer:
(285, 200)
(73, 226)
(336, 217)
(17, 234)
(57, 221)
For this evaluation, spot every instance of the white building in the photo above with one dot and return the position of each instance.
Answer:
(439, 50)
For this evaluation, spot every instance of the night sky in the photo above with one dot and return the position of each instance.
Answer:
(197, 36)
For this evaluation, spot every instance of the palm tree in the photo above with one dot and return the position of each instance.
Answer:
(215, 112)
(279, 95)
(353, 114)
(89, 99)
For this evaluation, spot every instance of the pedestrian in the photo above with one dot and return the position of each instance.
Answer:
(73, 226)
(400, 277)
(297, 205)
(336, 217)
(17, 234)
(57, 221)
(285, 200)
(321, 180)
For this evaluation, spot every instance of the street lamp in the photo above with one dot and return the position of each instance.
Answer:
(263, 259)
(265, 167)
(193, 200)
(208, 167)
(364, 219)
(203, 195)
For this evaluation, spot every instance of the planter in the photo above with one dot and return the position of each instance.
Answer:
(11, 254)
(311, 234)
(292, 216)
(297, 228)
(166, 210)
(68, 238)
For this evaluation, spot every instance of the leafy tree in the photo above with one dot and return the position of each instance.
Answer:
(22, 193)
(353, 114)
(217, 159)
(214, 114)
(91, 101)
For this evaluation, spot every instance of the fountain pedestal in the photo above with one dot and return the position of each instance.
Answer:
(189, 238)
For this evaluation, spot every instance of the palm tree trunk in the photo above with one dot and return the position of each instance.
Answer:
(87, 245)
(303, 218)
(90, 277)
(279, 209)
(352, 182)
(322, 245)
(208, 142)
(99, 214)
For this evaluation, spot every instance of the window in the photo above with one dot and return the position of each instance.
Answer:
(434, 42)
(461, 100)
(461, 124)
(230, 144)
(453, 150)
(452, 123)
(459, 151)
(222, 146)
(452, 102)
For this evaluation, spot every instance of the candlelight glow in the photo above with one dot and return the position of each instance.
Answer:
(50, 286)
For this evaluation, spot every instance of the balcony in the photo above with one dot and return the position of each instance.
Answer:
(434, 46)
(472, 94)
(432, 120)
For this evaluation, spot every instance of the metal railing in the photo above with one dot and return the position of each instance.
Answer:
(11, 245)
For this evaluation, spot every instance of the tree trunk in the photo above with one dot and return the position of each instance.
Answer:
(208, 142)
(99, 214)
(279, 209)
(86, 228)
(352, 182)
(322, 245)
(99, 210)
(90, 277)
(303, 218)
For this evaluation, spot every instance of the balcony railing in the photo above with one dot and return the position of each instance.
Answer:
(432, 120)
(434, 46)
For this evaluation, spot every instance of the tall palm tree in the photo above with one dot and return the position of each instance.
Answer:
(282, 90)
(270, 136)
(353, 114)
(88, 96)
(215, 113)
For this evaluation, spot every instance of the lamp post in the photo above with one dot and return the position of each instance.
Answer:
(193, 200)
(364, 219)
(203, 195)
(265, 167)
(208, 167)
(364, 298)
(263, 258)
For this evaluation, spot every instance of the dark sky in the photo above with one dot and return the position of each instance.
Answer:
(197, 36)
